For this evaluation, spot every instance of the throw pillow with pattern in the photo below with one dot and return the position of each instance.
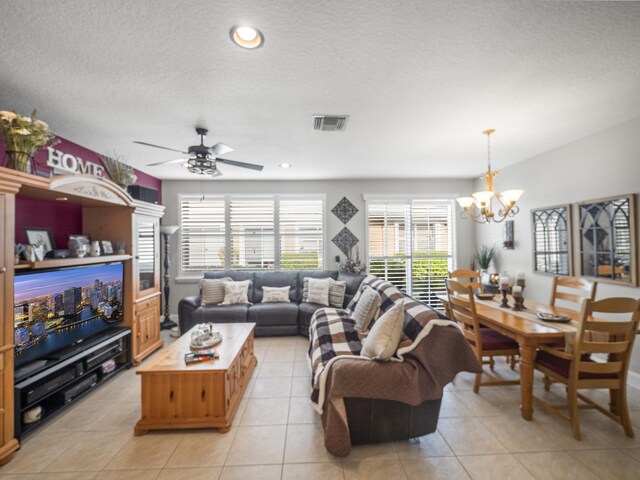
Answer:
(236, 292)
(275, 294)
(319, 291)
(337, 290)
(366, 309)
(212, 290)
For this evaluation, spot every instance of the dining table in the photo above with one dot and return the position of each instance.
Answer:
(528, 331)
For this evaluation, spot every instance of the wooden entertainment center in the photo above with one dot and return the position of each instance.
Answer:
(108, 213)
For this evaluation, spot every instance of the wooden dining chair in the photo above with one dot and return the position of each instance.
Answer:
(484, 341)
(467, 278)
(613, 340)
(572, 290)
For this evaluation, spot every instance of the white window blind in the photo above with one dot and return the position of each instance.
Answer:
(301, 234)
(202, 234)
(410, 243)
(251, 233)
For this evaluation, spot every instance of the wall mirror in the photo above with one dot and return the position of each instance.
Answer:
(551, 227)
(606, 239)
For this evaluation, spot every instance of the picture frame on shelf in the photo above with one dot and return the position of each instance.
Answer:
(107, 248)
(41, 237)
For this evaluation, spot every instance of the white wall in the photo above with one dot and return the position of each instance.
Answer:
(334, 191)
(600, 165)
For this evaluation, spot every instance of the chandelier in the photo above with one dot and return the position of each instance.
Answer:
(479, 206)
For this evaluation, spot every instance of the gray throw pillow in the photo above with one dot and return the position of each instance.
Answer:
(212, 290)
(383, 339)
(337, 290)
(366, 308)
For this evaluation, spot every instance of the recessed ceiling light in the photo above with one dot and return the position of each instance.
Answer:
(285, 165)
(246, 37)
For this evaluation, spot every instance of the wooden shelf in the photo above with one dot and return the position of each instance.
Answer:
(71, 262)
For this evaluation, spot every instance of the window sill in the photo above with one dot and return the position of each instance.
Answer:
(184, 279)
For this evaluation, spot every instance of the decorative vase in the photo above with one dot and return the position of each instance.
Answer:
(95, 249)
(20, 161)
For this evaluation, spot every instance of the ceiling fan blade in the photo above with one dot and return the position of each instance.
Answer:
(221, 149)
(158, 146)
(166, 162)
(235, 163)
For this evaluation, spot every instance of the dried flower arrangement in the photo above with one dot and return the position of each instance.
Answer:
(353, 265)
(121, 173)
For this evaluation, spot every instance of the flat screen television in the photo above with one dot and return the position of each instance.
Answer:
(54, 309)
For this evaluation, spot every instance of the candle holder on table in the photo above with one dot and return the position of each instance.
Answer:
(504, 289)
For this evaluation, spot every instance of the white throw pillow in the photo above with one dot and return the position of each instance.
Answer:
(236, 292)
(212, 290)
(366, 308)
(337, 289)
(319, 291)
(384, 337)
(275, 294)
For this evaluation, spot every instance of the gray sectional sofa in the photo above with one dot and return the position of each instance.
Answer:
(270, 318)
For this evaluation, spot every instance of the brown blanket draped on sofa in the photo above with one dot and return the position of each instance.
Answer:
(422, 376)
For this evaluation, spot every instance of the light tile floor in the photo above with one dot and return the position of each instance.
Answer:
(276, 435)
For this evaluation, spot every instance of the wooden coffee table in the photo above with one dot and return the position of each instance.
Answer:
(202, 395)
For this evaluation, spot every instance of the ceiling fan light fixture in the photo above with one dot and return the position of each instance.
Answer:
(246, 37)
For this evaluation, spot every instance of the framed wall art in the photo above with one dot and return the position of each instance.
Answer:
(551, 228)
(606, 239)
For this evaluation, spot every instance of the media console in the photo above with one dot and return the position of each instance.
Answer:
(49, 386)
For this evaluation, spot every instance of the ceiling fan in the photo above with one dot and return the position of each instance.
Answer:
(203, 160)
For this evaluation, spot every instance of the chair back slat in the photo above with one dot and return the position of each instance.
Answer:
(463, 310)
(613, 338)
(604, 347)
(468, 278)
(578, 289)
(604, 367)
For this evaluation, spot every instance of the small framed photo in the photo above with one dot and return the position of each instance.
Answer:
(80, 239)
(40, 236)
(107, 248)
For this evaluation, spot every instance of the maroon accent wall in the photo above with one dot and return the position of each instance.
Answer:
(76, 150)
(62, 218)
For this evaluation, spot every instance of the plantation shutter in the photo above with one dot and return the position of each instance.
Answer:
(202, 233)
(410, 244)
(301, 237)
(252, 234)
(432, 250)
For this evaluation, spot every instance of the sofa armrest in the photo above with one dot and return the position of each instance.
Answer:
(185, 308)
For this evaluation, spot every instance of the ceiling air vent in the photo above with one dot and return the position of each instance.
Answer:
(330, 123)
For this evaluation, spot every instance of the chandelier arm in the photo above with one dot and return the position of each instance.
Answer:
(479, 218)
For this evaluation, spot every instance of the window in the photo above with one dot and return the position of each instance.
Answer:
(410, 244)
(270, 232)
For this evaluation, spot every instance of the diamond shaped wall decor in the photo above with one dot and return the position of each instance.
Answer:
(345, 240)
(344, 210)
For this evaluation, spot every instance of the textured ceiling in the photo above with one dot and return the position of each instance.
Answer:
(419, 79)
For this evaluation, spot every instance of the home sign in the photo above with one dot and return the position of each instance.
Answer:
(72, 164)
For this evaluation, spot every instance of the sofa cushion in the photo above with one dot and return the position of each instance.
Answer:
(236, 292)
(274, 313)
(366, 309)
(313, 274)
(212, 290)
(220, 314)
(275, 279)
(276, 294)
(337, 289)
(384, 337)
(236, 276)
(317, 290)
(353, 284)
